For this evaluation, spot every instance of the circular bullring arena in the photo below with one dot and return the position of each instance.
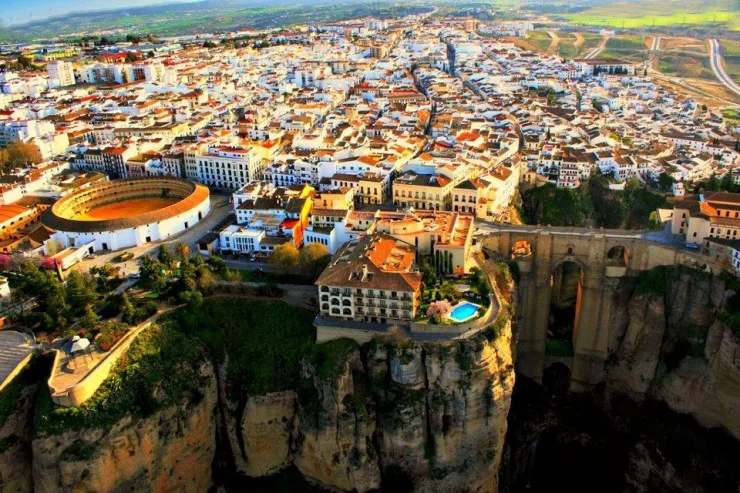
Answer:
(125, 213)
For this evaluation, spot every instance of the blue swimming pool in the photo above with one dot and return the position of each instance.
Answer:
(463, 311)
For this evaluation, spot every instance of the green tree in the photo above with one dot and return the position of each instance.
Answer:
(79, 292)
(183, 252)
(165, 257)
(713, 184)
(665, 182)
(128, 310)
(313, 259)
(50, 295)
(103, 276)
(205, 278)
(284, 258)
(19, 155)
(428, 275)
(153, 274)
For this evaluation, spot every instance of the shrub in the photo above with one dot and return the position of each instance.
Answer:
(78, 451)
(329, 358)
(438, 309)
(652, 282)
(110, 333)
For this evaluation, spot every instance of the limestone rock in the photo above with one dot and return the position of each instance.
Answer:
(15, 445)
(171, 450)
(267, 426)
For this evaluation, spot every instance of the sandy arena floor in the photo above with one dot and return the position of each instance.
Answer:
(125, 208)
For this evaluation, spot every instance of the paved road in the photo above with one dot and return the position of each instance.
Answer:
(597, 51)
(656, 44)
(715, 58)
(662, 236)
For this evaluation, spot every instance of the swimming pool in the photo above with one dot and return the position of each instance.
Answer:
(463, 311)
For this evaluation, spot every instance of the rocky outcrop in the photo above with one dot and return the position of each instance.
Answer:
(395, 412)
(670, 344)
(708, 388)
(334, 444)
(171, 450)
(15, 444)
(432, 415)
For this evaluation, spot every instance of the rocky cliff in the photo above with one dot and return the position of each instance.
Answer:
(428, 416)
(431, 415)
(15, 443)
(171, 450)
(669, 341)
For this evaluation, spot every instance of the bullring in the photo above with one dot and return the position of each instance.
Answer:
(125, 213)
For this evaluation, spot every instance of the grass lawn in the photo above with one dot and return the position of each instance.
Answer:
(264, 341)
(248, 275)
(731, 54)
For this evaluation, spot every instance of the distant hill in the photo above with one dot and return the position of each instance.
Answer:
(198, 17)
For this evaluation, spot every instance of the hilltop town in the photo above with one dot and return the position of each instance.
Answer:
(416, 178)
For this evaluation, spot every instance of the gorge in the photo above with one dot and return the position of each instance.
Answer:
(398, 414)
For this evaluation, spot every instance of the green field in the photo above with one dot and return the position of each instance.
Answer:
(731, 115)
(731, 54)
(591, 41)
(653, 13)
(540, 39)
(628, 47)
(682, 65)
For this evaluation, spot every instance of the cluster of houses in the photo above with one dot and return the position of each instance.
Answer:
(363, 136)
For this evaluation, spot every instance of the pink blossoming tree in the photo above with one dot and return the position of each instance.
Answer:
(438, 309)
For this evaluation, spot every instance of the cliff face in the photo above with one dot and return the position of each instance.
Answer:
(394, 412)
(398, 413)
(671, 344)
(15, 445)
(172, 450)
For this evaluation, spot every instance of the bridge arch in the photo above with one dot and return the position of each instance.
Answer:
(521, 249)
(566, 285)
(618, 255)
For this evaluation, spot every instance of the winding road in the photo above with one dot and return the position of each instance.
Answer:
(597, 51)
(715, 54)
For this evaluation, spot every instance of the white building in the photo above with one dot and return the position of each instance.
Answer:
(61, 74)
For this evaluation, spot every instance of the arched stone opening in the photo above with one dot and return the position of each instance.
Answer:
(566, 286)
(617, 256)
(521, 250)
(556, 379)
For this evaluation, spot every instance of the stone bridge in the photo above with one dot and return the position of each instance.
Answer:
(603, 257)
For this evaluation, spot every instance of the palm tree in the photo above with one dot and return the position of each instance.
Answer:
(182, 251)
